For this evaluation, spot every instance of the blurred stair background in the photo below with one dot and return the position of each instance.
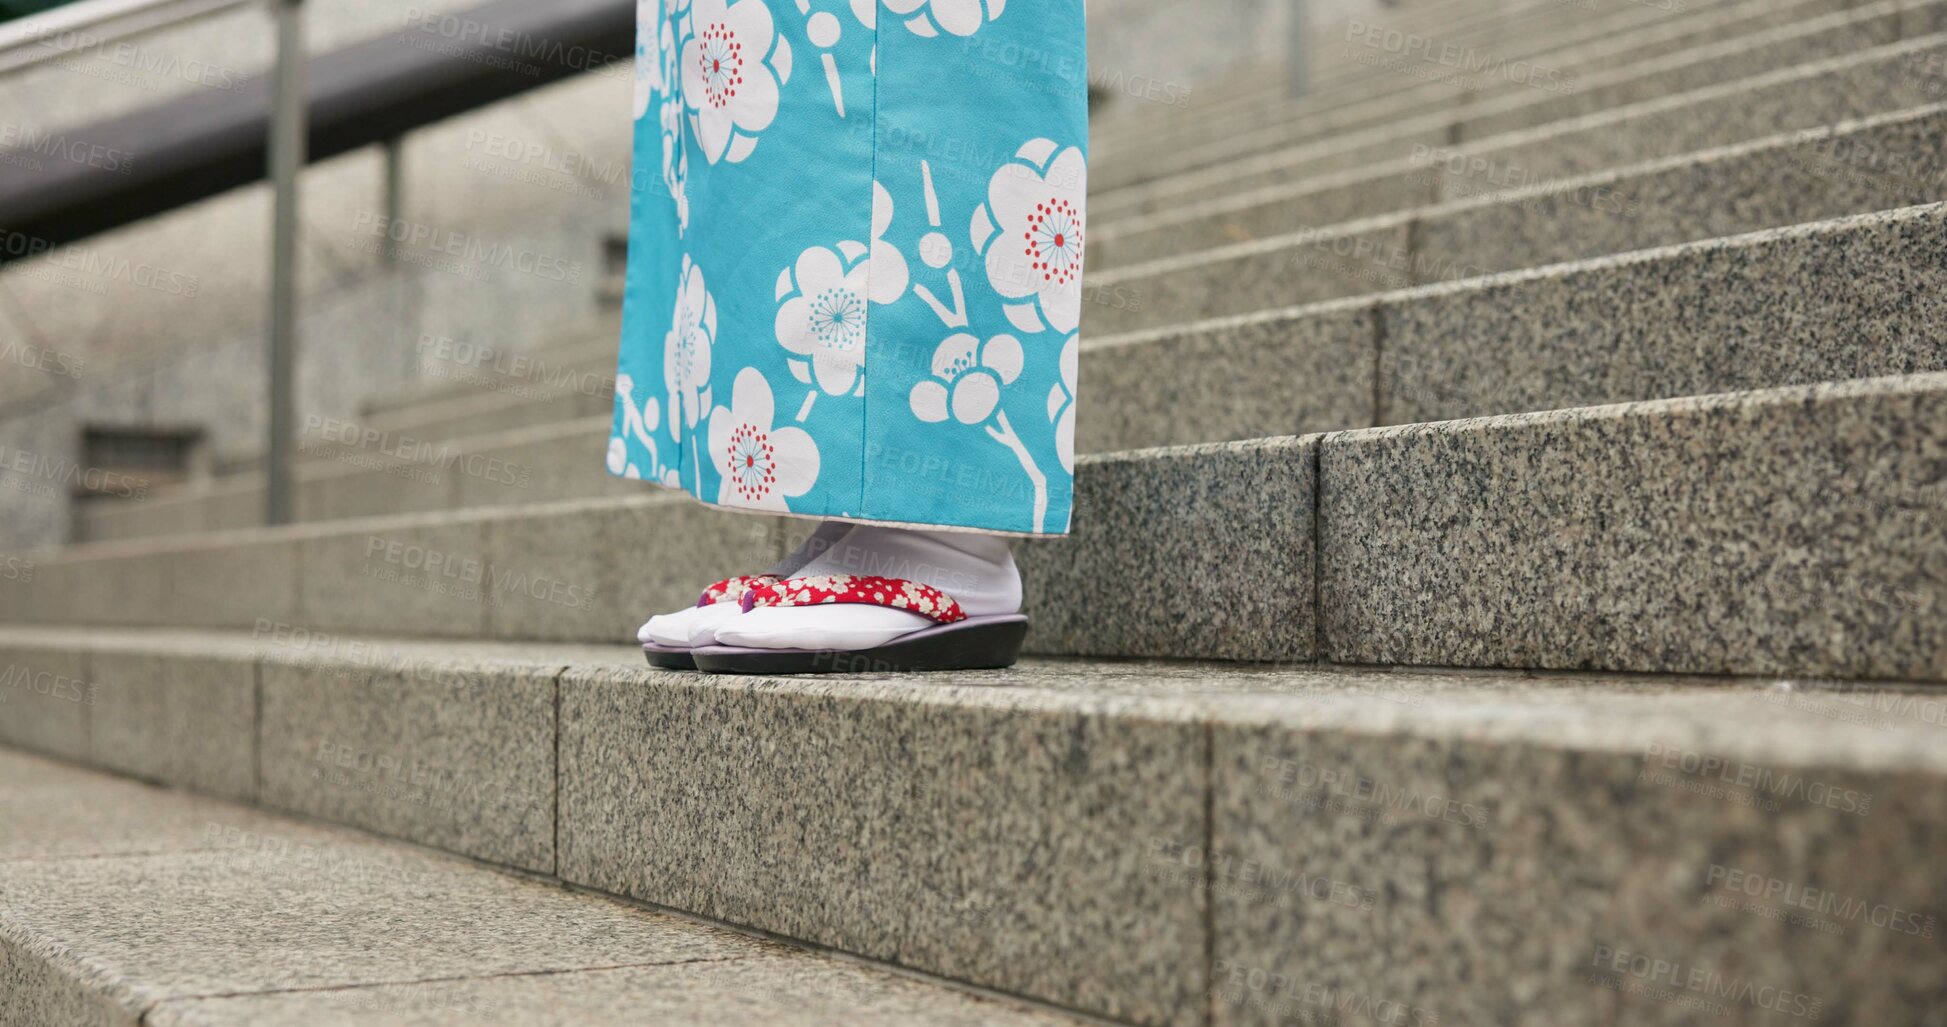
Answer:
(1539, 426)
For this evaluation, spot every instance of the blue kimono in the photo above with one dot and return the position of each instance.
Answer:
(855, 258)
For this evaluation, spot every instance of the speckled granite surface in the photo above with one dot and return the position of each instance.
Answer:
(1837, 34)
(1797, 531)
(1245, 378)
(234, 583)
(1172, 519)
(44, 700)
(1366, 256)
(1042, 829)
(423, 573)
(453, 753)
(1430, 106)
(46, 589)
(147, 906)
(1489, 226)
(1385, 84)
(54, 811)
(989, 844)
(1886, 163)
(1532, 146)
(767, 987)
(179, 718)
(1850, 298)
(1790, 98)
(1257, 214)
(594, 570)
(1418, 880)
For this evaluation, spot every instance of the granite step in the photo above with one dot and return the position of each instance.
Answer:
(1157, 843)
(1875, 164)
(1708, 63)
(571, 391)
(1345, 71)
(1346, 74)
(1847, 298)
(513, 393)
(1850, 166)
(454, 369)
(1529, 63)
(1262, 84)
(1805, 97)
(1374, 137)
(543, 463)
(483, 399)
(125, 904)
(1794, 530)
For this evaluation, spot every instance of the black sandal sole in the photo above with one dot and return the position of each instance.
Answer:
(974, 647)
(678, 660)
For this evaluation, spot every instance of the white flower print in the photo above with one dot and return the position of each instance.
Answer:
(824, 320)
(889, 271)
(930, 17)
(824, 296)
(686, 350)
(1061, 402)
(966, 386)
(760, 465)
(967, 378)
(732, 66)
(651, 53)
(1030, 230)
(639, 423)
(676, 162)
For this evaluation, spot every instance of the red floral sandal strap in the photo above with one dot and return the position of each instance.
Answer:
(897, 593)
(733, 588)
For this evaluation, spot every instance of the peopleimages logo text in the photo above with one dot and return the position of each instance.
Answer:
(1464, 59)
(1820, 901)
(1762, 780)
(1704, 982)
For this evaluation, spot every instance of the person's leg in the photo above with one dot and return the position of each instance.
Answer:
(696, 625)
(823, 321)
(977, 571)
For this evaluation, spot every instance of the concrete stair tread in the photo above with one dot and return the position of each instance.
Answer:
(1924, 216)
(1112, 837)
(1886, 725)
(1548, 35)
(567, 349)
(1434, 366)
(1810, 487)
(1750, 112)
(549, 368)
(1808, 96)
(1705, 197)
(1678, 77)
(122, 903)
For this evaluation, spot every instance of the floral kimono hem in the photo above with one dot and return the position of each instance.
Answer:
(855, 258)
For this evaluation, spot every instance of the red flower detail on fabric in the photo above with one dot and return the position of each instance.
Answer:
(751, 463)
(733, 588)
(722, 59)
(1054, 241)
(865, 590)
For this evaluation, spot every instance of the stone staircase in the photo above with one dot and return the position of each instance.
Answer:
(1551, 469)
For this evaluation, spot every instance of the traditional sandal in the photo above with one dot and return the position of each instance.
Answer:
(677, 657)
(954, 642)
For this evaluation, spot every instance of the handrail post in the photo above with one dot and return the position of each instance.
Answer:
(287, 153)
(1298, 55)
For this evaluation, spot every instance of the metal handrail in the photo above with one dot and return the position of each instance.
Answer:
(53, 34)
(304, 110)
(197, 146)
